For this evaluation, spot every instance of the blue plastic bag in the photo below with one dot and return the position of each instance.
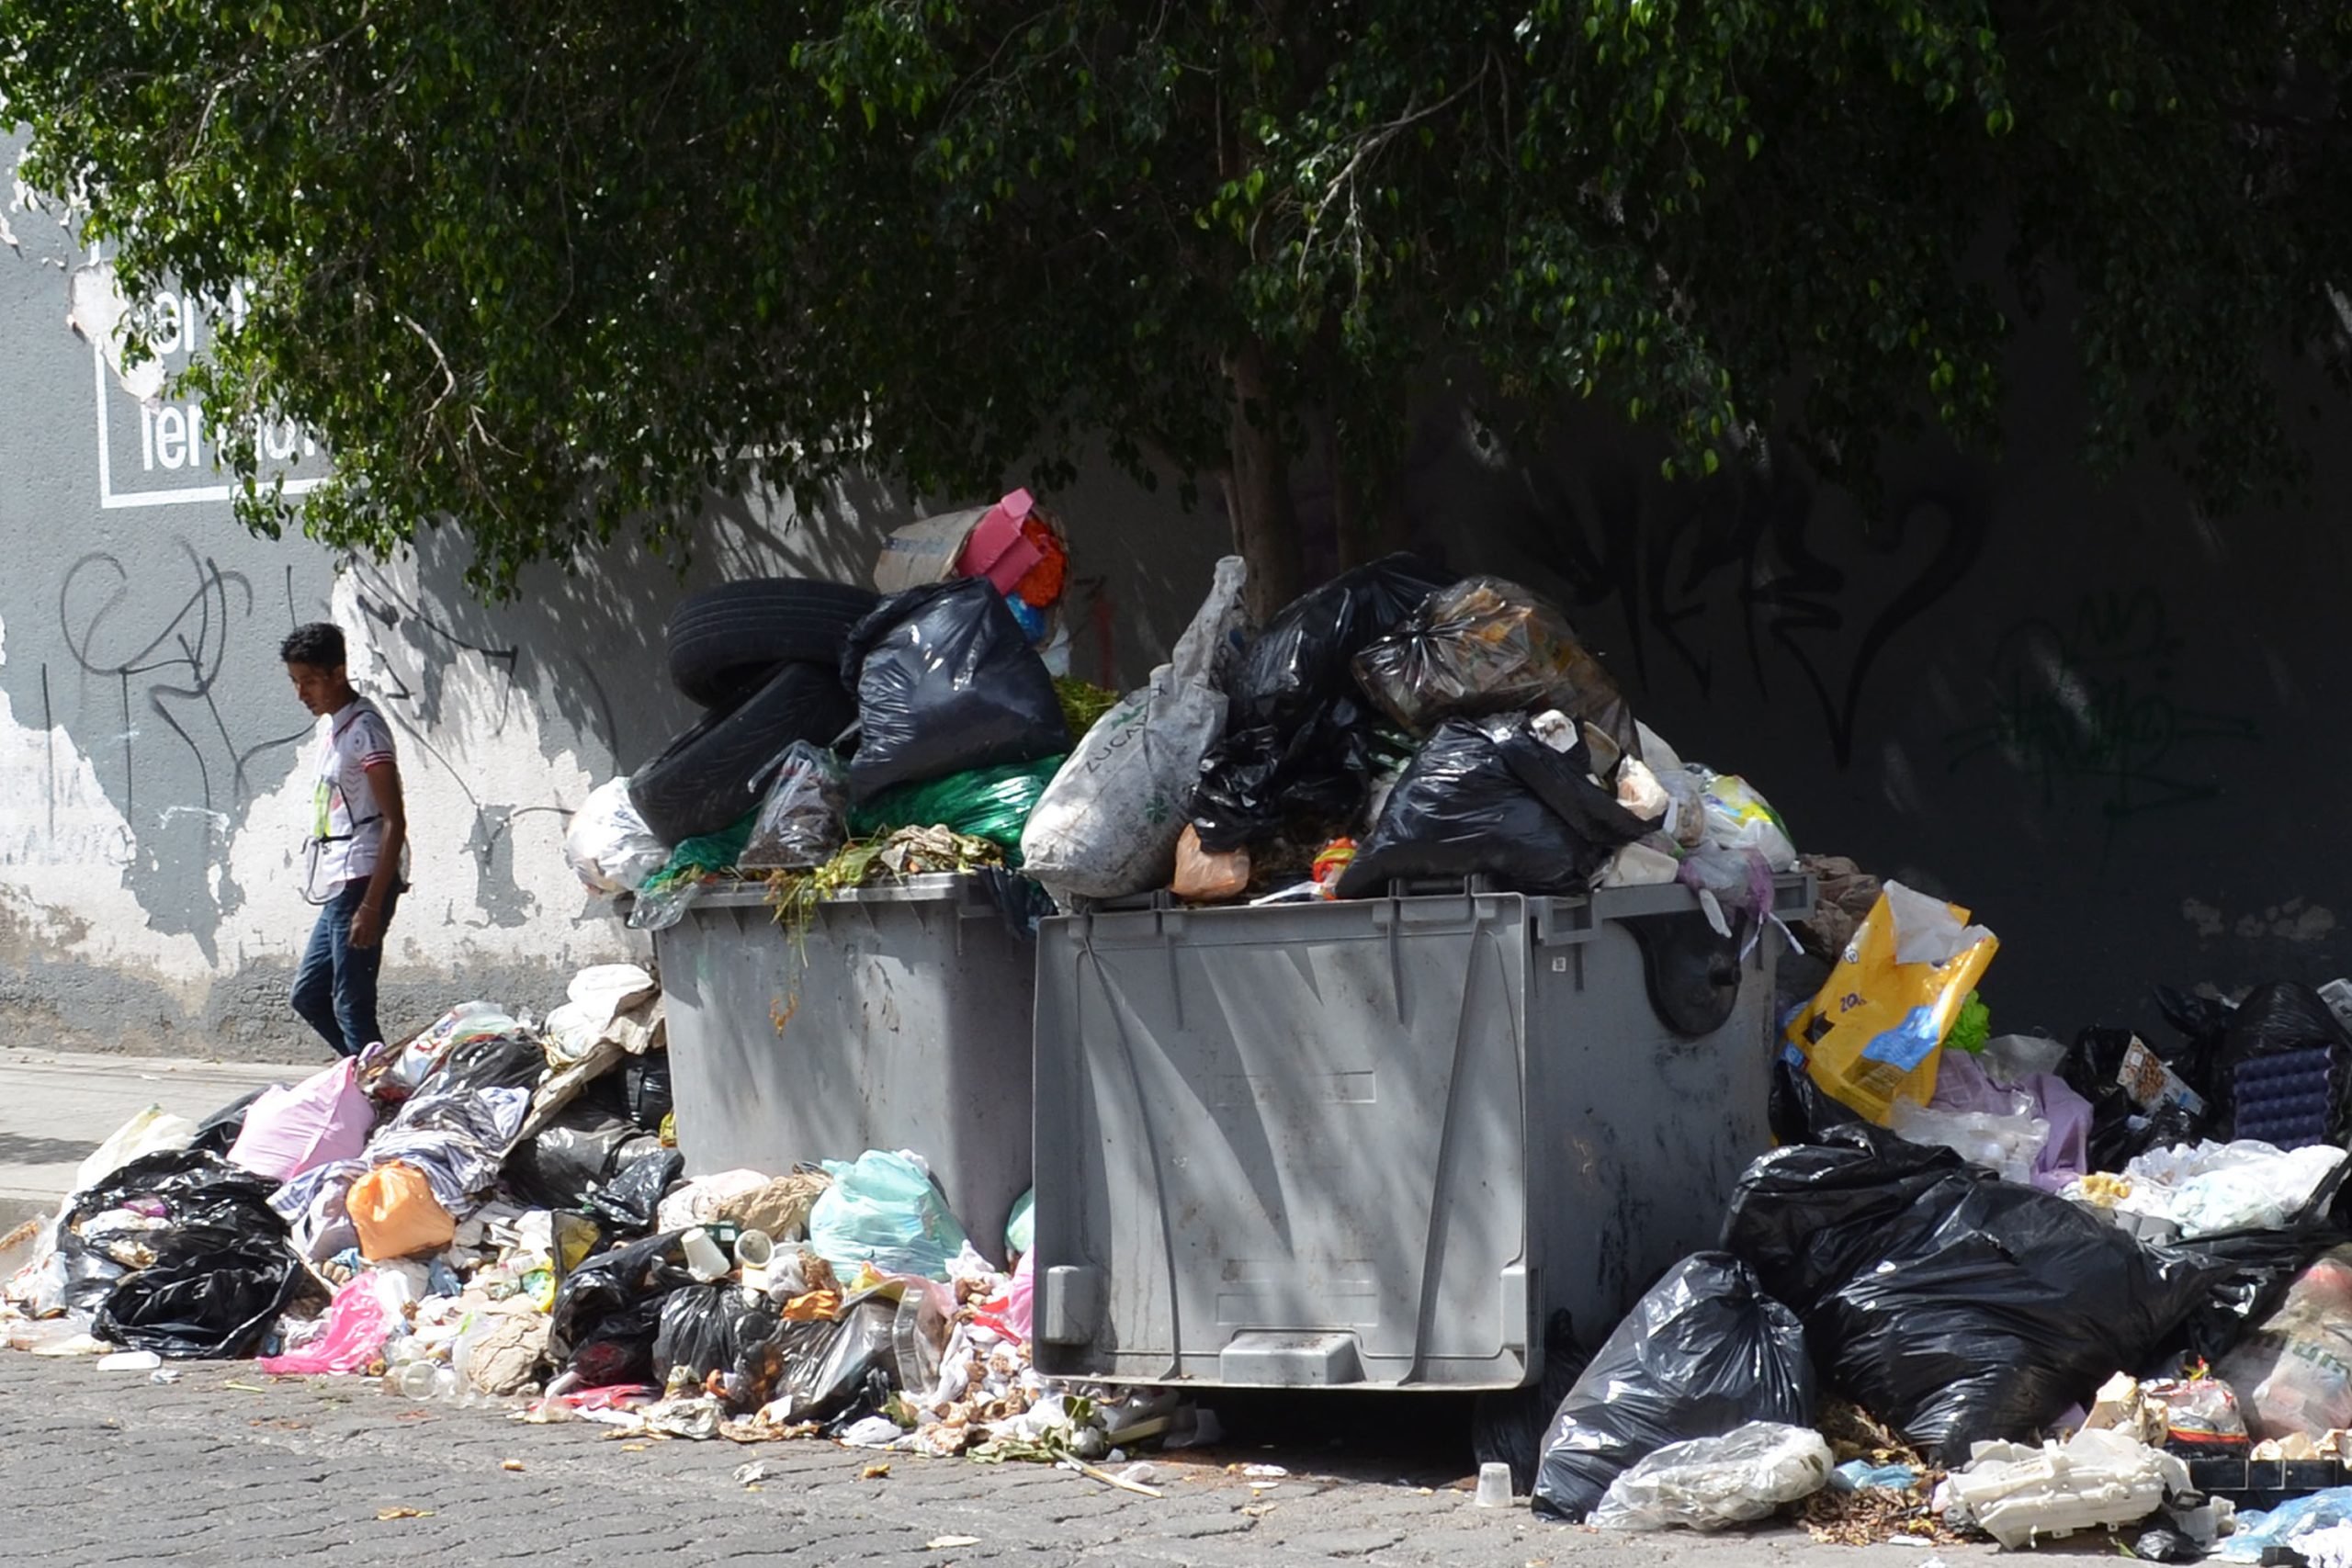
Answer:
(1021, 1226)
(2283, 1524)
(883, 1210)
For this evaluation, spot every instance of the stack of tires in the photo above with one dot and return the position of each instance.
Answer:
(763, 657)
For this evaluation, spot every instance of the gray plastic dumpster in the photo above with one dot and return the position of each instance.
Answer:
(1378, 1142)
(899, 1019)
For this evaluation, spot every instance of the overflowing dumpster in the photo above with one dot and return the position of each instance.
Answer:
(894, 1017)
(1378, 1142)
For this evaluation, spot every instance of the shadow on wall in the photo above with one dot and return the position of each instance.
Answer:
(583, 643)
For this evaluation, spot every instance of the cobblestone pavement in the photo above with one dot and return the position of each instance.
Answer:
(225, 1466)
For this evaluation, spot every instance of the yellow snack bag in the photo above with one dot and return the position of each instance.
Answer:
(1876, 1033)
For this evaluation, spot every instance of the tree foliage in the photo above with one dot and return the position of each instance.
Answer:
(550, 272)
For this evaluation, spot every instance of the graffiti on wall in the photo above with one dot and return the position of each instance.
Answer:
(2084, 707)
(1739, 572)
(417, 655)
(166, 669)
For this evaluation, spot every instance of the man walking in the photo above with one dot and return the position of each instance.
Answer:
(359, 838)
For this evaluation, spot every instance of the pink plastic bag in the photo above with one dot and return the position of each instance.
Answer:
(324, 1118)
(359, 1319)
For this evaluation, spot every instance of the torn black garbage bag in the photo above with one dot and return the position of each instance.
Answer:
(1705, 1350)
(559, 1165)
(630, 1202)
(826, 1375)
(1486, 797)
(496, 1061)
(1952, 1305)
(715, 1328)
(946, 683)
(607, 1312)
(1298, 729)
(217, 1134)
(646, 1082)
(212, 1290)
(195, 1187)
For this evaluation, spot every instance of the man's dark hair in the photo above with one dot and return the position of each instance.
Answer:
(320, 643)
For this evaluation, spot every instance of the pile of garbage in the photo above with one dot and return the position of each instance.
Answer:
(1395, 727)
(494, 1210)
(2053, 1288)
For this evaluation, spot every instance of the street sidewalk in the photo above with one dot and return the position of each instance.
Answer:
(58, 1106)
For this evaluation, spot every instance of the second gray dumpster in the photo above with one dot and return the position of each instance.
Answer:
(1377, 1142)
(898, 1019)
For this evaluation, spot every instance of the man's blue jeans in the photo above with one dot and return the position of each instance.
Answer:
(334, 989)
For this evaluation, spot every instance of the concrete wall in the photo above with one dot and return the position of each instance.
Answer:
(2111, 726)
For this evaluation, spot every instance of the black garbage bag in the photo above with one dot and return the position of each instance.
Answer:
(1799, 1110)
(1303, 660)
(629, 1202)
(1298, 729)
(946, 683)
(607, 1312)
(830, 1372)
(1950, 1304)
(2203, 1023)
(217, 1134)
(2250, 1272)
(196, 1187)
(714, 1329)
(1255, 782)
(89, 1272)
(2280, 1017)
(2120, 1132)
(646, 1086)
(1508, 1427)
(1705, 1350)
(1488, 646)
(496, 1061)
(1486, 797)
(212, 1290)
(563, 1162)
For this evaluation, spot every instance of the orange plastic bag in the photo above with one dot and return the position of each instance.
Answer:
(1205, 876)
(394, 1210)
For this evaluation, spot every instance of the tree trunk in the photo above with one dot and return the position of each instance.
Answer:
(1257, 487)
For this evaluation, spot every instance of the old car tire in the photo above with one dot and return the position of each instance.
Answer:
(723, 643)
(702, 781)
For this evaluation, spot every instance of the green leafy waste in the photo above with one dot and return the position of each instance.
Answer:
(1973, 1028)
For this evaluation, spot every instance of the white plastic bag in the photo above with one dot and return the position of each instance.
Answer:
(1708, 1483)
(2209, 1188)
(1740, 818)
(1107, 824)
(608, 844)
(2008, 1145)
(152, 1131)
